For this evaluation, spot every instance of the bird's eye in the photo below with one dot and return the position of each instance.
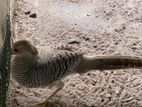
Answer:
(15, 50)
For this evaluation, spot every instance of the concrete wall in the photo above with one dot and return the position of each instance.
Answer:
(3, 13)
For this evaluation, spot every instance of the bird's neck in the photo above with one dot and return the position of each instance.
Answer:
(26, 56)
(33, 50)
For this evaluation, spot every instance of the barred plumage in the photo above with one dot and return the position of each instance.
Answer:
(40, 68)
(45, 68)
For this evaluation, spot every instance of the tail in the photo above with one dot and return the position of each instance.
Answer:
(107, 63)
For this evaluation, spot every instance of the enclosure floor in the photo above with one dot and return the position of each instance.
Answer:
(95, 27)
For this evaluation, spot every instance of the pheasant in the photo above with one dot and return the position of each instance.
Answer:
(34, 67)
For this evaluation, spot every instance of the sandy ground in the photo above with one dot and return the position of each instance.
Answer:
(96, 27)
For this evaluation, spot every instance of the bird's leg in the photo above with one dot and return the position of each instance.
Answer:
(59, 84)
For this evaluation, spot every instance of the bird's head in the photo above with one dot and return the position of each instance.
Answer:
(24, 47)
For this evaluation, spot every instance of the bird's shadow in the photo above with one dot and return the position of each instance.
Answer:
(55, 103)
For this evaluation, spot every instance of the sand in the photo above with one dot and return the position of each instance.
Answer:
(95, 27)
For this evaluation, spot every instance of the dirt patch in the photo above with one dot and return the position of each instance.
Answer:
(96, 27)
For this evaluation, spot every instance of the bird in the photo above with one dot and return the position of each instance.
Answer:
(35, 67)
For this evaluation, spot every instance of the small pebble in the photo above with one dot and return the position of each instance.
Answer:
(88, 15)
(33, 15)
(15, 14)
(116, 43)
(134, 48)
(86, 38)
(74, 41)
(28, 12)
(120, 28)
(95, 46)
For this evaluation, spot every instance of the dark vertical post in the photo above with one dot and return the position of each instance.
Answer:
(5, 57)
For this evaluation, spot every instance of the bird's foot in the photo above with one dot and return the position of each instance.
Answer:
(43, 103)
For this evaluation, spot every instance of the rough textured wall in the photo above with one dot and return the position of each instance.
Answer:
(3, 13)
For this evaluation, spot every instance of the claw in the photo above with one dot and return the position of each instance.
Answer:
(46, 103)
(42, 103)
